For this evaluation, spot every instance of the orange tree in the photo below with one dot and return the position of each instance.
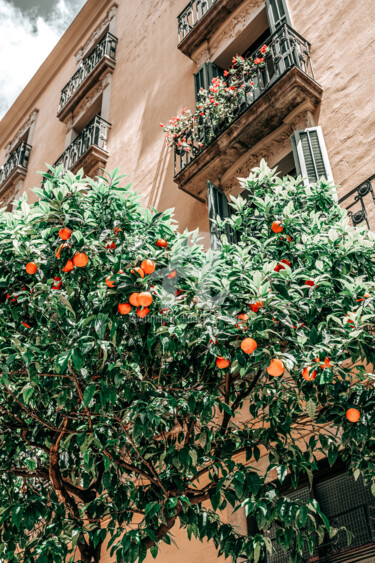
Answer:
(127, 352)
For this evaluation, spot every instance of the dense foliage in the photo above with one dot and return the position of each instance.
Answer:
(114, 427)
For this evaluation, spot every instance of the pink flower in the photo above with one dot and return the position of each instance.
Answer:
(258, 60)
(201, 113)
(263, 49)
(161, 124)
(226, 73)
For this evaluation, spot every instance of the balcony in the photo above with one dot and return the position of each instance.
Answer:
(102, 58)
(15, 167)
(88, 150)
(360, 204)
(283, 83)
(199, 20)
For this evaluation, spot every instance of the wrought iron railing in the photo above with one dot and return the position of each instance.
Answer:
(190, 16)
(19, 157)
(94, 134)
(106, 47)
(286, 48)
(360, 204)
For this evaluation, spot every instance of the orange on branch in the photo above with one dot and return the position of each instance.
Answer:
(161, 243)
(353, 415)
(277, 227)
(307, 375)
(142, 312)
(134, 299)
(31, 268)
(65, 233)
(139, 271)
(276, 368)
(145, 299)
(80, 259)
(222, 363)
(248, 345)
(124, 308)
(110, 283)
(148, 266)
(69, 266)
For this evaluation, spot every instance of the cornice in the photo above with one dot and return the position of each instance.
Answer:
(66, 47)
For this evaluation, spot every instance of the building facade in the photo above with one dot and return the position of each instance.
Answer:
(123, 67)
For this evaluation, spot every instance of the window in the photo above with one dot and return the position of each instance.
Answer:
(277, 13)
(203, 78)
(310, 154)
(346, 503)
(218, 206)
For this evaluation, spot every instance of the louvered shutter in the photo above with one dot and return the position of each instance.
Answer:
(277, 14)
(218, 207)
(203, 78)
(310, 155)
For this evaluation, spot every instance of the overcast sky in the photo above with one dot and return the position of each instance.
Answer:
(29, 29)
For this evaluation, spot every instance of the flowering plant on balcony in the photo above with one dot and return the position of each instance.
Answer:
(217, 106)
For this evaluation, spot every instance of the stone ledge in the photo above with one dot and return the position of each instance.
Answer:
(18, 173)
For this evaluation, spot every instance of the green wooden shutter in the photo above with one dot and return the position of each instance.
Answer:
(218, 206)
(277, 14)
(310, 155)
(203, 78)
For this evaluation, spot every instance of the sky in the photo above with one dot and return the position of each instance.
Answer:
(29, 29)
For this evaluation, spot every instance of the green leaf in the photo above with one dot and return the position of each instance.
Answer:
(88, 394)
(101, 325)
(311, 408)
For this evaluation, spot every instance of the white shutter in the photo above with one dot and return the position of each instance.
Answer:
(310, 155)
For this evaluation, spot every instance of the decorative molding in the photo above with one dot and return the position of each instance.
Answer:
(234, 25)
(20, 133)
(272, 147)
(95, 35)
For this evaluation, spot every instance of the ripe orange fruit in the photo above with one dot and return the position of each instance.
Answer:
(172, 274)
(69, 266)
(307, 375)
(145, 299)
(25, 324)
(139, 271)
(110, 283)
(248, 345)
(58, 251)
(31, 268)
(222, 363)
(142, 312)
(148, 266)
(162, 243)
(309, 283)
(353, 415)
(117, 230)
(80, 259)
(134, 299)
(110, 245)
(256, 306)
(65, 233)
(124, 308)
(243, 318)
(277, 227)
(276, 368)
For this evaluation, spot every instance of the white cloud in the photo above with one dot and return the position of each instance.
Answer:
(25, 41)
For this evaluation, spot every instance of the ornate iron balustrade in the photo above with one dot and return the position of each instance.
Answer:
(360, 204)
(106, 47)
(19, 157)
(286, 49)
(94, 134)
(190, 16)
